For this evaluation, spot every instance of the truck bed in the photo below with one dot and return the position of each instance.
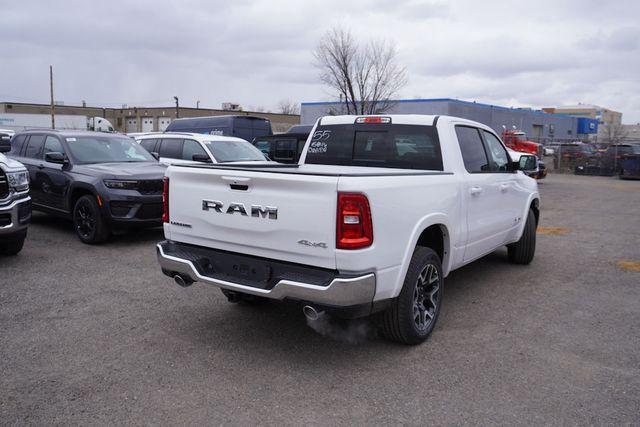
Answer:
(317, 170)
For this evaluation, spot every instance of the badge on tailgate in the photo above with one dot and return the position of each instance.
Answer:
(257, 211)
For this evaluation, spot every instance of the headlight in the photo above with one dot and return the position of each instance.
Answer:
(120, 184)
(19, 181)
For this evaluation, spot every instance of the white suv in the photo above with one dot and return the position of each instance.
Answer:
(176, 148)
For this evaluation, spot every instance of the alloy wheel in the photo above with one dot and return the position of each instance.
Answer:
(85, 221)
(426, 297)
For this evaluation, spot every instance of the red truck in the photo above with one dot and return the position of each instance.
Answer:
(517, 141)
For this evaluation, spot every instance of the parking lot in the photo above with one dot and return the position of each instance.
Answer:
(97, 335)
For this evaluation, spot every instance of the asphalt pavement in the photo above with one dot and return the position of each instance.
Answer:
(97, 335)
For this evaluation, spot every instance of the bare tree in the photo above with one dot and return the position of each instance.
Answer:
(614, 133)
(287, 106)
(365, 76)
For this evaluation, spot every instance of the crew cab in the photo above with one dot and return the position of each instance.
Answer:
(15, 203)
(379, 210)
(103, 182)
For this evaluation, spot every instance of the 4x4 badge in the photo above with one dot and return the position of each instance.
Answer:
(313, 244)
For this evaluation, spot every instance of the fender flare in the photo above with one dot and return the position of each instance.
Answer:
(78, 186)
(532, 197)
(425, 222)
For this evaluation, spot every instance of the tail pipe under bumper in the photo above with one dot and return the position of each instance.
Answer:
(340, 292)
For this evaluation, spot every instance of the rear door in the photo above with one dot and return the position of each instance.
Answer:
(31, 157)
(285, 216)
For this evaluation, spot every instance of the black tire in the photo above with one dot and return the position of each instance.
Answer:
(523, 251)
(88, 222)
(13, 245)
(413, 315)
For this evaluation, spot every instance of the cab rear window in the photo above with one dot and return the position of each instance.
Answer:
(376, 145)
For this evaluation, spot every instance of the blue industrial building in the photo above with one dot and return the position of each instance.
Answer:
(538, 125)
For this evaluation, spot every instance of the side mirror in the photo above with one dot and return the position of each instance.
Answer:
(528, 163)
(5, 145)
(155, 155)
(201, 158)
(55, 157)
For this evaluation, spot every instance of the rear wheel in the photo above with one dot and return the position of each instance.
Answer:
(413, 315)
(88, 222)
(523, 251)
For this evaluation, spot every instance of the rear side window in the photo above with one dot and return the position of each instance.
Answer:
(149, 144)
(16, 144)
(386, 146)
(34, 146)
(171, 148)
(473, 154)
(191, 148)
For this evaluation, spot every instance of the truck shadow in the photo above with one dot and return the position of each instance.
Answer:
(63, 225)
(280, 327)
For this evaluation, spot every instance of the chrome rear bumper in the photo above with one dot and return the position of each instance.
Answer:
(340, 292)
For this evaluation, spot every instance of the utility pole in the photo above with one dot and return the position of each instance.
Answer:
(53, 106)
(177, 107)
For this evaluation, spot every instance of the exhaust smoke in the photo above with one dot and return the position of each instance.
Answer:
(349, 331)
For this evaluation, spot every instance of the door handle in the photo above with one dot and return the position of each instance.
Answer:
(504, 187)
(475, 191)
(40, 166)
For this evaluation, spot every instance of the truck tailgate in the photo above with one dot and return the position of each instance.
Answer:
(233, 210)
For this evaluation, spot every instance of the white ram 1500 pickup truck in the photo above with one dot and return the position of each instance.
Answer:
(377, 213)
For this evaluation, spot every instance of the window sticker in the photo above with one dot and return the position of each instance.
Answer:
(71, 140)
(321, 135)
(317, 147)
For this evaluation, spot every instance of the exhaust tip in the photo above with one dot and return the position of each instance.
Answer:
(184, 282)
(310, 312)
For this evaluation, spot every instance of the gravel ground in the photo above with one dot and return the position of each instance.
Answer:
(97, 335)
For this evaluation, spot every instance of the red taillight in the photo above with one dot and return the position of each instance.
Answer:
(354, 229)
(165, 200)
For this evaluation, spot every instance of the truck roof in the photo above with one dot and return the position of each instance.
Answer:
(71, 132)
(413, 119)
(403, 119)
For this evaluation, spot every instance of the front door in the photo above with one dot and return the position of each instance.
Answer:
(512, 195)
(484, 196)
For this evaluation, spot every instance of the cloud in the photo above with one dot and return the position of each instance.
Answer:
(259, 52)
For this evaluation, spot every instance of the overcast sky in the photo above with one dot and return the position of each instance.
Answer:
(529, 53)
